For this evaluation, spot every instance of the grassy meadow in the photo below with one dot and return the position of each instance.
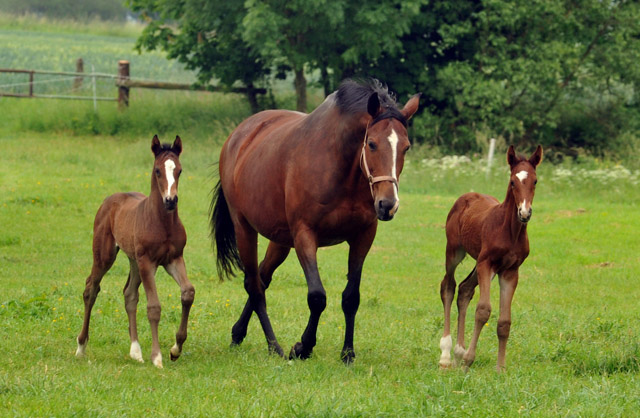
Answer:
(574, 348)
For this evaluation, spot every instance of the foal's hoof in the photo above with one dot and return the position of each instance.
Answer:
(298, 352)
(175, 352)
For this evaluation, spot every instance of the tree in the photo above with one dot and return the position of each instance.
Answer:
(207, 36)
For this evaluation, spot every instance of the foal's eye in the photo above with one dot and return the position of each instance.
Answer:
(180, 172)
(157, 172)
(512, 183)
(535, 182)
(372, 146)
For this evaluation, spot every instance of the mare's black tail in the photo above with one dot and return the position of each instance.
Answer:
(223, 235)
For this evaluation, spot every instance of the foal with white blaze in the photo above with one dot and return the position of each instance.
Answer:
(150, 233)
(495, 235)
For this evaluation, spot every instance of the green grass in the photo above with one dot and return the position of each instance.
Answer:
(573, 348)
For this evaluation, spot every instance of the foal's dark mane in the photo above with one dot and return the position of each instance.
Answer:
(353, 96)
(166, 148)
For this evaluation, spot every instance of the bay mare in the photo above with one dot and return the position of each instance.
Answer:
(495, 235)
(150, 233)
(305, 181)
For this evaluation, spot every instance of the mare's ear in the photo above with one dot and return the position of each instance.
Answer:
(511, 157)
(411, 106)
(373, 105)
(536, 157)
(155, 145)
(177, 145)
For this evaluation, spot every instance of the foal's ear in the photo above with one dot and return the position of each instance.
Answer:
(411, 106)
(177, 145)
(536, 157)
(373, 105)
(512, 159)
(155, 145)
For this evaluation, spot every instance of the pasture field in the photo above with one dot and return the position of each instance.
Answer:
(574, 347)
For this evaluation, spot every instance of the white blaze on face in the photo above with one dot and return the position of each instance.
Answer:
(522, 175)
(393, 140)
(169, 166)
(523, 210)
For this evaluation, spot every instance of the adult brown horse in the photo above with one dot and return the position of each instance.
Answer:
(306, 181)
(495, 235)
(150, 233)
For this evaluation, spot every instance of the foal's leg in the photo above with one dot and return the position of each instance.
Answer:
(131, 296)
(508, 284)
(104, 254)
(447, 290)
(247, 240)
(465, 294)
(147, 274)
(306, 248)
(276, 254)
(178, 271)
(358, 250)
(483, 310)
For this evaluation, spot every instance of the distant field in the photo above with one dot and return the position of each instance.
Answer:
(574, 347)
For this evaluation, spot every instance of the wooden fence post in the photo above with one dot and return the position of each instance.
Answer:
(77, 82)
(31, 83)
(123, 90)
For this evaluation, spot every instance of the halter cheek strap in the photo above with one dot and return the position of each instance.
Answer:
(371, 179)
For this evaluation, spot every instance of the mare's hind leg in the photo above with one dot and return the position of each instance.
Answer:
(275, 255)
(131, 296)
(104, 254)
(306, 248)
(178, 271)
(465, 294)
(247, 240)
(447, 290)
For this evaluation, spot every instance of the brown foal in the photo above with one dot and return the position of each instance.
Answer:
(150, 233)
(495, 235)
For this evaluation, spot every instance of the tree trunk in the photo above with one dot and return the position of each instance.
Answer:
(326, 82)
(301, 90)
(252, 96)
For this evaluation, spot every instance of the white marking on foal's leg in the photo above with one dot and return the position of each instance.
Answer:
(445, 345)
(175, 351)
(81, 349)
(169, 166)
(522, 175)
(157, 361)
(459, 352)
(136, 352)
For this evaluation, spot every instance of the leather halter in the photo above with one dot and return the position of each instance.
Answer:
(371, 179)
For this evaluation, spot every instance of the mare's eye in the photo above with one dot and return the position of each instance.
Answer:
(180, 172)
(535, 182)
(372, 146)
(407, 149)
(157, 172)
(512, 183)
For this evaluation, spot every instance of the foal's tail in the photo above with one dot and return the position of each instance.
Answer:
(223, 235)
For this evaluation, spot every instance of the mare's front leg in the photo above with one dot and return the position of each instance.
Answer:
(247, 240)
(178, 271)
(276, 254)
(131, 296)
(306, 247)
(147, 274)
(358, 250)
(508, 284)
(483, 310)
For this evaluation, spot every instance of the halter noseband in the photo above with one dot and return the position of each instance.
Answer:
(371, 179)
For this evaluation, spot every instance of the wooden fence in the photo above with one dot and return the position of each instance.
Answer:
(123, 83)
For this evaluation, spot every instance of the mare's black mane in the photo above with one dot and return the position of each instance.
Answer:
(353, 97)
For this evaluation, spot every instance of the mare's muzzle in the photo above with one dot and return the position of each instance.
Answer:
(386, 208)
(170, 203)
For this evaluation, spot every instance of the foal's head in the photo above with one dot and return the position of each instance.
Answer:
(382, 158)
(166, 170)
(523, 181)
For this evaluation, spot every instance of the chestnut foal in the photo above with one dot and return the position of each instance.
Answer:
(150, 233)
(495, 235)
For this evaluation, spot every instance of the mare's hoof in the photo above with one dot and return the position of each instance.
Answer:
(298, 352)
(348, 357)
(274, 348)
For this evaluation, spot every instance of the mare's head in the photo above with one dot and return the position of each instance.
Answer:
(385, 142)
(523, 181)
(166, 170)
